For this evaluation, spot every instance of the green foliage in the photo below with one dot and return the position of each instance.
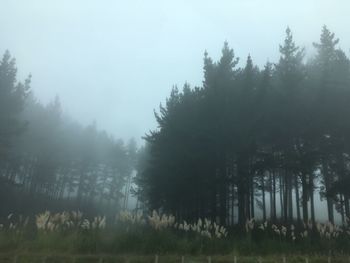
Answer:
(116, 241)
(220, 149)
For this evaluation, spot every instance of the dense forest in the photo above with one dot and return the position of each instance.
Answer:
(254, 141)
(248, 143)
(48, 161)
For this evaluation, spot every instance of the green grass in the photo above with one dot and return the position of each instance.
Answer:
(126, 239)
(173, 258)
(147, 241)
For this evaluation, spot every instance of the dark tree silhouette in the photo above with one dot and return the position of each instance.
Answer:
(220, 148)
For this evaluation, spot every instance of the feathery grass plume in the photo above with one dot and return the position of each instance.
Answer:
(85, 224)
(204, 228)
(284, 231)
(292, 235)
(347, 221)
(186, 226)
(161, 222)
(276, 229)
(310, 224)
(98, 222)
(76, 215)
(42, 220)
(206, 233)
(249, 225)
(304, 234)
(330, 227)
(124, 216)
(207, 223)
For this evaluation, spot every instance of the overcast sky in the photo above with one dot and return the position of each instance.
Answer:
(115, 61)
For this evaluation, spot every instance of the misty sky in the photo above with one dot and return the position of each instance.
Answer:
(115, 61)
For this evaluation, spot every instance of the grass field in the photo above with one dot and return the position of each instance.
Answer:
(66, 258)
(69, 237)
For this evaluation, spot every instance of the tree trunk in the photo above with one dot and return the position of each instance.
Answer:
(274, 196)
(311, 185)
(290, 197)
(281, 195)
(222, 196)
(285, 197)
(297, 199)
(342, 212)
(271, 196)
(347, 207)
(327, 185)
(263, 196)
(304, 197)
(252, 213)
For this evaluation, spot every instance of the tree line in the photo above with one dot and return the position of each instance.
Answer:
(254, 141)
(48, 161)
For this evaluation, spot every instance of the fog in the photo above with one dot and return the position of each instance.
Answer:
(144, 111)
(115, 61)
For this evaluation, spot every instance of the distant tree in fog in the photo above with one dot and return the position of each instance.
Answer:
(50, 162)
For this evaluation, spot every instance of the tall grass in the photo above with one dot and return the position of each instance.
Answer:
(130, 233)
